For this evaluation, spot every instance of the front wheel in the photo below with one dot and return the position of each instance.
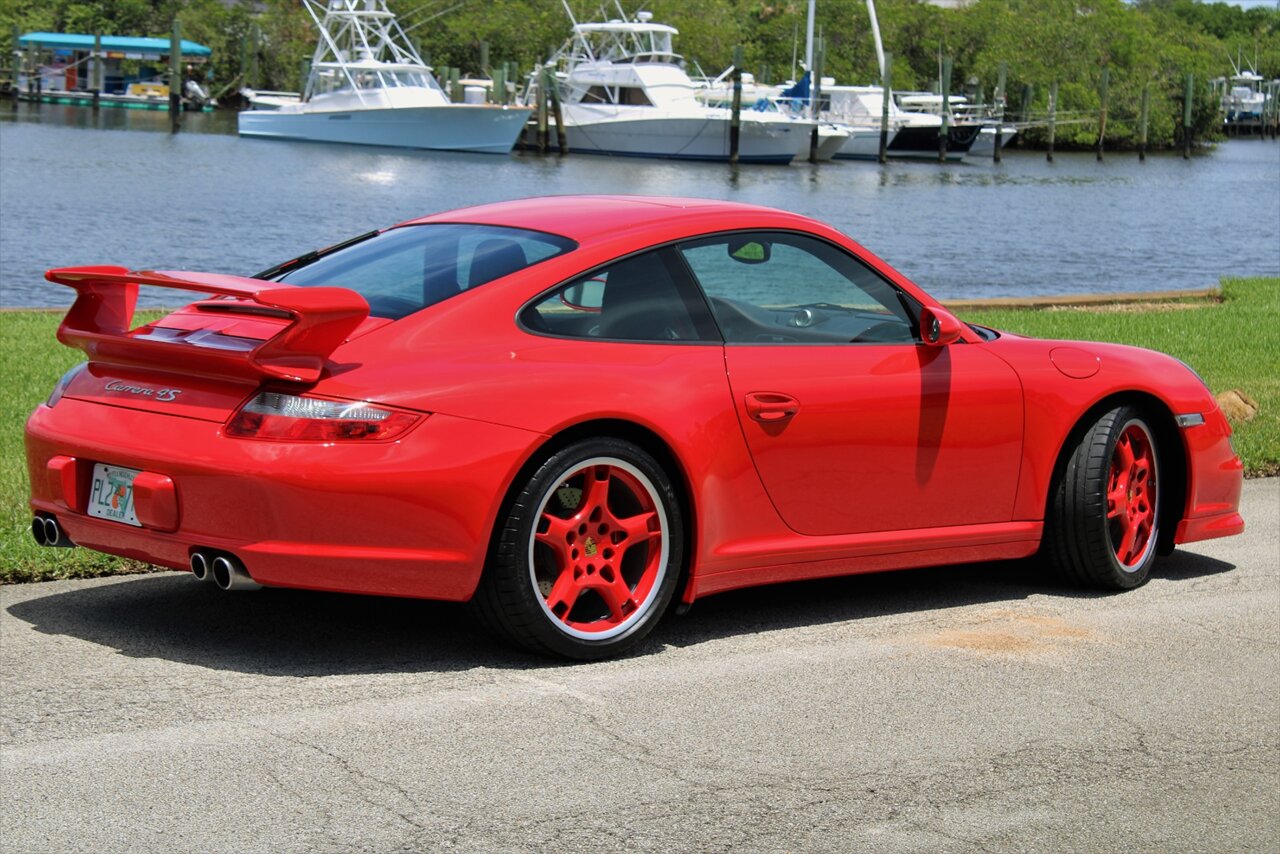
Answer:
(589, 552)
(1103, 522)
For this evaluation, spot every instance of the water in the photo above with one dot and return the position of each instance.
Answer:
(118, 189)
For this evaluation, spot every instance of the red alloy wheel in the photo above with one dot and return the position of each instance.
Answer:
(599, 549)
(1131, 495)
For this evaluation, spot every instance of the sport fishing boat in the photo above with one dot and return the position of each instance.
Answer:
(624, 91)
(369, 86)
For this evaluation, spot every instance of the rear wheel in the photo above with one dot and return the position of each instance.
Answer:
(589, 552)
(1103, 523)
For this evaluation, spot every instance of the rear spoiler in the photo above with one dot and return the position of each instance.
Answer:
(99, 322)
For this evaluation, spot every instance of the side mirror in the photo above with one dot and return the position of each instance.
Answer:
(750, 251)
(939, 327)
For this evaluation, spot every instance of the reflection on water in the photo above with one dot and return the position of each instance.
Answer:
(116, 188)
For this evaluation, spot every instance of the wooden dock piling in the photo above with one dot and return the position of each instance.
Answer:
(1143, 122)
(1102, 110)
(562, 133)
(175, 77)
(1052, 119)
(885, 88)
(815, 95)
(95, 70)
(1187, 105)
(735, 116)
(544, 76)
(998, 109)
(944, 84)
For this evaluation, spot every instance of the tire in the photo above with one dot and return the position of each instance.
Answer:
(1102, 528)
(588, 555)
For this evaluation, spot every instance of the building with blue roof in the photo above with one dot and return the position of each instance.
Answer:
(112, 71)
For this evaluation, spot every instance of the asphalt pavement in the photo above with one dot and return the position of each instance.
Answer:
(956, 709)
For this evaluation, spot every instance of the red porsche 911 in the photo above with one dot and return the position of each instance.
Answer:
(579, 412)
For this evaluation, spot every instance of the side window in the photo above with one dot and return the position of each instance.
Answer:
(774, 287)
(643, 298)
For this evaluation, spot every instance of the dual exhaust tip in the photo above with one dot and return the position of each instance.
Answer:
(224, 570)
(48, 532)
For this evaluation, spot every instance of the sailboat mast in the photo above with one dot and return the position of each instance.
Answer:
(875, 32)
(808, 53)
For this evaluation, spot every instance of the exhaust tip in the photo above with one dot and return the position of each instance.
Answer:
(229, 574)
(200, 567)
(47, 532)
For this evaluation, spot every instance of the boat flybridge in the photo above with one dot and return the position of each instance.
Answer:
(369, 86)
(624, 91)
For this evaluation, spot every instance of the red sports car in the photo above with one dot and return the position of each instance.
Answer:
(579, 412)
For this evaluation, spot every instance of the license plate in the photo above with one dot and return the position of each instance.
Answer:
(112, 494)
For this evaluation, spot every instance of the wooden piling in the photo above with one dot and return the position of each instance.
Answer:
(735, 116)
(1143, 122)
(95, 70)
(1188, 103)
(175, 77)
(484, 57)
(1102, 110)
(1053, 119)
(255, 39)
(998, 98)
(944, 84)
(815, 93)
(544, 76)
(562, 133)
(500, 85)
(886, 88)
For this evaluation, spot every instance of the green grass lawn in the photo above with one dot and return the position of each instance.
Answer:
(1234, 343)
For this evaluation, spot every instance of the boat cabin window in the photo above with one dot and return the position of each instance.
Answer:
(403, 270)
(627, 96)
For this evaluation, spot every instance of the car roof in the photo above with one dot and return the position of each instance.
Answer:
(585, 218)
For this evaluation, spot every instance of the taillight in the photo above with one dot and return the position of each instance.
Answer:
(294, 418)
(61, 387)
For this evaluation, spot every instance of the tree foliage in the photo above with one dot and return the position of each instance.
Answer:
(1147, 43)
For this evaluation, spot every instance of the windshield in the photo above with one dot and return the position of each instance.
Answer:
(403, 270)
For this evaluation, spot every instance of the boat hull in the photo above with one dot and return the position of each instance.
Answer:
(864, 144)
(452, 127)
(921, 142)
(688, 138)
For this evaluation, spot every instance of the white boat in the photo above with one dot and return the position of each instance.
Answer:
(625, 92)
(369, 86)
(771, 99)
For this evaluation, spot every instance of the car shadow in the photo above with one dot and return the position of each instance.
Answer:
(304, 633)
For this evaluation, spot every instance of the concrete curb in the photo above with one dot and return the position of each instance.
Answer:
(1084, 300)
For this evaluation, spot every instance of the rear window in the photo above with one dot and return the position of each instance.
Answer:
(404, 270)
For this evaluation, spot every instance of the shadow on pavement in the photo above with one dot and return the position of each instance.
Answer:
(303, 633)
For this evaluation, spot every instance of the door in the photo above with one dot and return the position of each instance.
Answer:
(854, 424)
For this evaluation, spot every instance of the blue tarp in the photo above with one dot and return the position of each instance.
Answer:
(798, 93)
(123, 44)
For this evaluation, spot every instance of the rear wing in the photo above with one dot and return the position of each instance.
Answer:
(314, 322)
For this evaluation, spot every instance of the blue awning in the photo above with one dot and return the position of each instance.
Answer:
(123, 44)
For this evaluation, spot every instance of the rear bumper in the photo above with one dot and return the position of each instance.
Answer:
(406, 518)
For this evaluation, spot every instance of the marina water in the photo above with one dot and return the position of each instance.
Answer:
(116, 188)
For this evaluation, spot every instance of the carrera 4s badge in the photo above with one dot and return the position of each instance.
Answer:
(163, 395)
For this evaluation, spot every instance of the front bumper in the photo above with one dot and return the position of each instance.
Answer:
(405, 518)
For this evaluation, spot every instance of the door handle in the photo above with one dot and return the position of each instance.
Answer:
(770, 407)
